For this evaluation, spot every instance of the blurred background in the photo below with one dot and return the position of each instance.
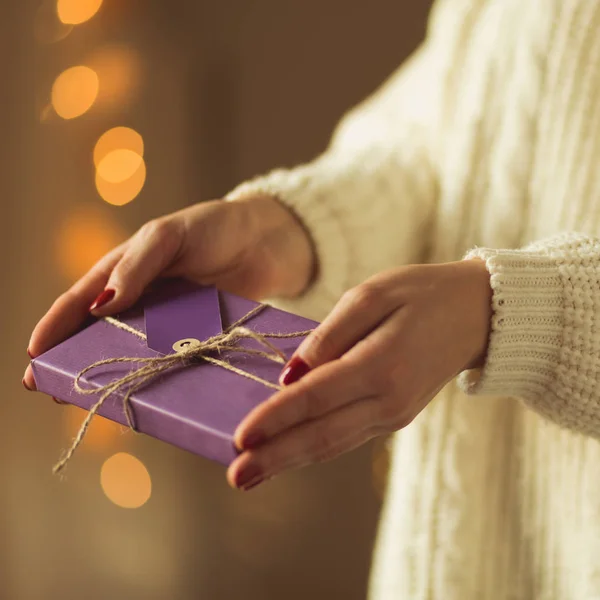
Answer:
(114, 112)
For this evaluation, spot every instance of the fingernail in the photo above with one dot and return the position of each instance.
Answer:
(26, 386)
(58, 401)
(293, 371)
(29, 353)
(104, 298)
(247, 475)
(254, 440)
(246, 488)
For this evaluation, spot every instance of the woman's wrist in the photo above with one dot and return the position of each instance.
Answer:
(478, 295)
(283, 243)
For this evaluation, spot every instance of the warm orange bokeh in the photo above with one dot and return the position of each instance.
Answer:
(101, 433)
(126, 481)
(118, 138)
(119, 165)
(86, 235)
(75, 91)
(74, 12)
(124, 191)
(119, 70)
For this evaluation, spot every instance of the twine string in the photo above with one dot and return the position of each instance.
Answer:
(151, 368)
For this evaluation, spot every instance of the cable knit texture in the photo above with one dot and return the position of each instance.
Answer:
(485, 143)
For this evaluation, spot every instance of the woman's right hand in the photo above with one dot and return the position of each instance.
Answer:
(254, 247)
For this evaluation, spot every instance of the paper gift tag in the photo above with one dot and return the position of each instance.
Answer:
(193, 314)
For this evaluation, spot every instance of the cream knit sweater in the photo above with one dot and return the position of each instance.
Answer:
(488, 138)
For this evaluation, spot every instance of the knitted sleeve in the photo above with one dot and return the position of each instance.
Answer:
(368, 201)
(545, 340)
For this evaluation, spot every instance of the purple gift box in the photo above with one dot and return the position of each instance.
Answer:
(196, 407)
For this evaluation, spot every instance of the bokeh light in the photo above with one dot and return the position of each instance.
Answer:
(119, 165)
(75, 91)
(118, 138)
(126, 481)
(122, 192)
(119, 70)
(101, 433)
(74, 12)
(83, 238)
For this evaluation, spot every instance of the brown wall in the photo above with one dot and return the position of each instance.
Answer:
(228, 89)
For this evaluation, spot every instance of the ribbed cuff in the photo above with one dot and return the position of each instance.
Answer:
(304, 191)
(527, 325)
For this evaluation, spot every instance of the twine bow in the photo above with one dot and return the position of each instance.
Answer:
(188, 353)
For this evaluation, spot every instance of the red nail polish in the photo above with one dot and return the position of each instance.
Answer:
(26, 386)
(29, 353)
(58, 401)
(247, 475)
(293, 371)
(254, 440)
(104, 298)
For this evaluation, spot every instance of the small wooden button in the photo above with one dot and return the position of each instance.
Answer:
(185, 345)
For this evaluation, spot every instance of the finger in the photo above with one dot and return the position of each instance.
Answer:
(29, 383)
(69, 311)
(358, 312)
(407, 369)
(322, 391)
(151, 250)
(71, 308)
(318, 441)
(385, 364)
(28, 380)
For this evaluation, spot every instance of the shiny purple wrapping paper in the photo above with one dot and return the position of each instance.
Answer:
(196, 408)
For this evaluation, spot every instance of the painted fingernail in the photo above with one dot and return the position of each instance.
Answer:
(254, 440)
(247, 488)
(29, 353)
(104, 298)
(58, 401)
(293, 371)
(26, 386)
(247, 475)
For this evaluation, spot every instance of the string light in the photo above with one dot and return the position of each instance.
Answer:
(118, 138)
(121, 192)
(100, 434)
(119, 165)
(126, 481)
(75, 12)
(119, 70)
(75, 91)
(83, 238)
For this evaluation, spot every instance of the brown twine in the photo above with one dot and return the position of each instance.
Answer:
(187, 356)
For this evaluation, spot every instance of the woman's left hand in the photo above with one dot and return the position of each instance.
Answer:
(370, 368)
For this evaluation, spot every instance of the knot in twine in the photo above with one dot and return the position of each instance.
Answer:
(188, 353)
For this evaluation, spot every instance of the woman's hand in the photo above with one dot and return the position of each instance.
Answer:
(254, 247)
(370, 368)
